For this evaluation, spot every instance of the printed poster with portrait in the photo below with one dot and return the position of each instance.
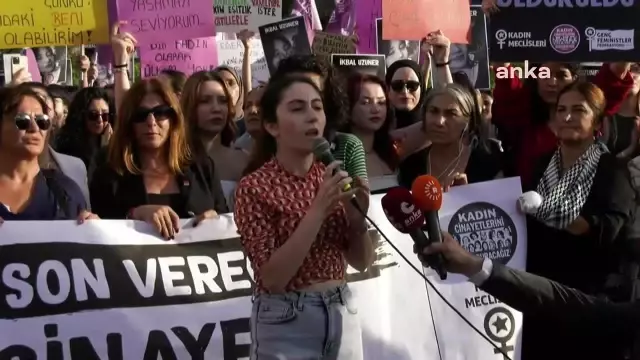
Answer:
(282, 39)
(544, 31)
(395, 50)
(472, 60)
(489, 226)
(52, 64)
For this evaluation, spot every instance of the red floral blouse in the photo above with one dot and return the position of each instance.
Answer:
(270, 203)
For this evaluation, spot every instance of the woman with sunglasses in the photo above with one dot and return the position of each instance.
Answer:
(151, 174)
(71, 166)
(28, 192)
(408, 90)
(88, 127)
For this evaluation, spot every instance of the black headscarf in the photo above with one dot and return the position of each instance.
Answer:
(416, 164)
(408, 117)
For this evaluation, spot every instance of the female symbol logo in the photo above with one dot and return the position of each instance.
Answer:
(499, 324)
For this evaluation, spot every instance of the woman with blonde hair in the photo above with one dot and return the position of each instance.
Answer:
(460, 151)
(210, 112)
(151, 174)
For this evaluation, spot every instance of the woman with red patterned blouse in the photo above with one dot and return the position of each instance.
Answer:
(300, 230)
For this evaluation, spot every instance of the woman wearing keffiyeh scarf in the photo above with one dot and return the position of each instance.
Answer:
(584, 201)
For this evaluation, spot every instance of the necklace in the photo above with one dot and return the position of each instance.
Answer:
(450, 168)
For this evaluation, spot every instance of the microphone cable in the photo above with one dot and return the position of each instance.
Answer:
(485, 337)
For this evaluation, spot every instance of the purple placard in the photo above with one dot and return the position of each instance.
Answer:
(188, 56)
(154, 21)
(307, 9)
(366, 14)
(343, 19)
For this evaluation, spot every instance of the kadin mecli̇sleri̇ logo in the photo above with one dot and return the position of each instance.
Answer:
(499, 325)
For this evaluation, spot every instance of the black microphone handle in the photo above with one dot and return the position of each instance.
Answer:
(432, 224)
(435, 262)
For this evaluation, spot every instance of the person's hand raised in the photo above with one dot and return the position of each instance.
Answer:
(122, 43)
(331, 191)
(20, 76)
(441, 46)
(92, 72)
(456, 259)
(245, 36)
(84, 63)
(163, 218)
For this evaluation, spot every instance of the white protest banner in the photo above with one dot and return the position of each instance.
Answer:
(231, 53)
(110, 290)
(483, 217)
(233, 16)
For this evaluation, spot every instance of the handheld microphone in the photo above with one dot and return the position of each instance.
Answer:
(322, 152)
(404, 215)
(427, 194)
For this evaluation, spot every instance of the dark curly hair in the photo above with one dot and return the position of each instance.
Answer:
(335, 97)
(266, 145)
(74, 139)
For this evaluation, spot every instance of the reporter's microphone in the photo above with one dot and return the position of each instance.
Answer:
(427, 194)
(404, 215)
(322, 152)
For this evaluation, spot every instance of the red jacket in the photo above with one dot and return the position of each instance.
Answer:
(512, 114)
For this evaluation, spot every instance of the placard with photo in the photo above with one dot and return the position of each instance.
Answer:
(395, 50)
(362, 63)
(283, 39)
(472, 59)
(52, 63)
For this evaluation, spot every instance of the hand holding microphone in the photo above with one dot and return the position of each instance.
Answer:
(331, 192)
(457, 259)
(358, 195)
(427, 193)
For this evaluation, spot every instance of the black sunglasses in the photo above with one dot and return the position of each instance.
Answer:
(161, 112)
(399, 85)
(96, 115)
(23, 121)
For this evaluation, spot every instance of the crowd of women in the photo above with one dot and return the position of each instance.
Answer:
(174, 147)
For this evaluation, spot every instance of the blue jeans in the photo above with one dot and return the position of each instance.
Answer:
(306, 326)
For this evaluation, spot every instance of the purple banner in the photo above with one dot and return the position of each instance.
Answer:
(154, 21)
(343, 19)
(366, 14)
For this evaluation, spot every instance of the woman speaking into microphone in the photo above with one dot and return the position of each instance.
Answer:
(299, 229)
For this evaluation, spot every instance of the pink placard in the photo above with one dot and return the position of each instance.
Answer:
(366, 14)
(188, 56)
(342, 20)
(33, 66)
(153, 21)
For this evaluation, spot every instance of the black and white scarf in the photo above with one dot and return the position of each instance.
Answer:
(564, 195)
